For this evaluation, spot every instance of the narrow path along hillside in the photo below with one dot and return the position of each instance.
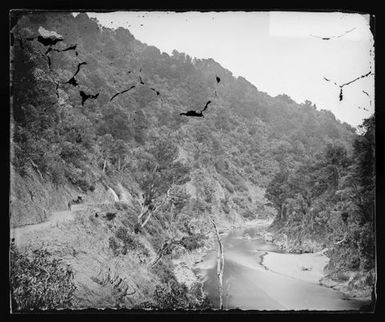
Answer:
(25, 233)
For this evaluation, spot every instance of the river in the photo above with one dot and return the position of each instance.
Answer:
(249, 285)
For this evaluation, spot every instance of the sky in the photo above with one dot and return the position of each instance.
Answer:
(278, 52)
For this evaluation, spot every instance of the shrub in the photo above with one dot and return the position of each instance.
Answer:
(126, 222)
(128, 240)
(225, 206)
(39, 281)
(113, 245)
(241, 202)
(110, 215)
(193, 242)
(121, 205)
(228, 186)
(248, 214)
(163, 269)
(171, 295)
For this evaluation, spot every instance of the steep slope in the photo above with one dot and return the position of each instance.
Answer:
(95, 112)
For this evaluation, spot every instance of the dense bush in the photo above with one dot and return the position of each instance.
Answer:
(330, 198)
(130, 242)
(113, 245)
(193, 241)
(121, 205)
(249, 214)
(164, 270)
(39, 281)
(171, 295)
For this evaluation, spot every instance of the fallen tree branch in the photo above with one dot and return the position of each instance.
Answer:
(341, 241)
(165, 199)
(36, 168)
(165, 247)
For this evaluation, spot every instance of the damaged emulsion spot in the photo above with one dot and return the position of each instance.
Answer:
(157, 92)
(87, 96)
(133, 86)
(370, 100)
(200, 114)
(122, 92)
(72, 47)
(48, 38)
(72, 80)
(195, 113)
(332, 37)
(347, 83)
(142, 82)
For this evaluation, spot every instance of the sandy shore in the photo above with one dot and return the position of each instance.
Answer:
(306, 267)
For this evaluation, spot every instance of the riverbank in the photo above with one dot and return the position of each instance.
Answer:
(188, 262)
(310, 267)
(309, 261)
(305, 267)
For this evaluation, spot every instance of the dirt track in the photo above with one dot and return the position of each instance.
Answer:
(21, 234)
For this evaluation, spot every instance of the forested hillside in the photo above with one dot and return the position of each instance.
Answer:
(92, 105)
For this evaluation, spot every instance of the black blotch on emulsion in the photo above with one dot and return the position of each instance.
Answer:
(341, 97)
(195, 113)
(332, 37)
(218, 79)
(157, 92)
(126, 90)
(72, 47)
(85, 96)
(48, 41)
(347, 83)
(72, 81)
(78, 68)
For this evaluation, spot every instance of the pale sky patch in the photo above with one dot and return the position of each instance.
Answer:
(275, 51)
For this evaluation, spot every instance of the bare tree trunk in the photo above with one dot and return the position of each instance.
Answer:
(104, 165)
(142, 213)
(220, 265)
(147, 219)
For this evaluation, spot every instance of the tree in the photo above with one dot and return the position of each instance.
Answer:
(158, 175)
(278, 191)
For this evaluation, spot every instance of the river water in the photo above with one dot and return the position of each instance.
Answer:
(249, 285)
